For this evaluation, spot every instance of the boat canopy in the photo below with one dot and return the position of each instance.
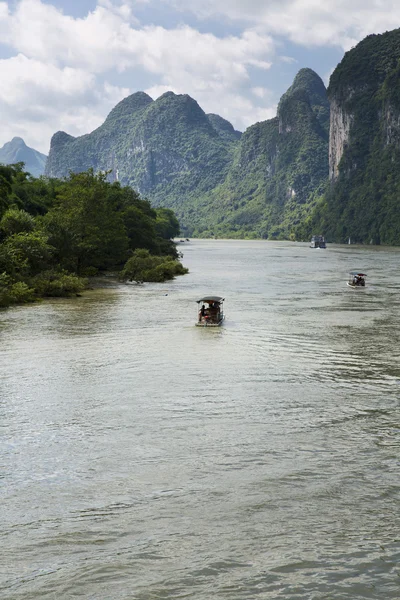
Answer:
(210, 299)
(357, 274)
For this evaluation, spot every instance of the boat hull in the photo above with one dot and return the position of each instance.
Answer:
(205, 324)
(356, 287)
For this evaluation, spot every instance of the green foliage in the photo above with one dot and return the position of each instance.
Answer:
(16, 221)
(20, 292)
(14, 293)
(54, 283)
(53, 232)
(96, 232)
(29, 253)
(167, 225)
(144, 267)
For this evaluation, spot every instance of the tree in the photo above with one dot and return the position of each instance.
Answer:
(15, 220)
(167, 225)
(84, 212)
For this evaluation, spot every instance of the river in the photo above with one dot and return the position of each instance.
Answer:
(144, 458)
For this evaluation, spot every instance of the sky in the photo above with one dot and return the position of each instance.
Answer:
(64, 64)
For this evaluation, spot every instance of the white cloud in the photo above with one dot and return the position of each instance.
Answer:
(260, 92)
(288, 59)
(105, 40)
(37, 99)
(306, 22)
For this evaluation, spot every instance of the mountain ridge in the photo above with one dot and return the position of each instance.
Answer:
(179, 157)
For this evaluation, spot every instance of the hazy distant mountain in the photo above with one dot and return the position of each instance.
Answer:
(17, 151)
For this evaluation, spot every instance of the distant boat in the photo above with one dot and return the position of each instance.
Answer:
(317, 241)
(211, 313)
(356, 279)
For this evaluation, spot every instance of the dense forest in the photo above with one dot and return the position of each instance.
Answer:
(55, 233)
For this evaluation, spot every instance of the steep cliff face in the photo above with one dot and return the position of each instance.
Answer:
(339, 133)
(168, 150)
(17, 151)
(280, 167)
(364, 150)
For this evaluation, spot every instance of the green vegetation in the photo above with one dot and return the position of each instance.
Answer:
(54, 233)
(169, 150)
(144, 267)
(280, 169)
(363, 203)
(271, 182)
(217, 181)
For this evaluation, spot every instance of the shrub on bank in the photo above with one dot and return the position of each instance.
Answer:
(14, 293)
(58, 284)
(142, 266)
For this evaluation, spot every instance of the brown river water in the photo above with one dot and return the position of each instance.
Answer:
(144, 458)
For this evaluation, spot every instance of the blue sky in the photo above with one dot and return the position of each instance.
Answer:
(64, 64)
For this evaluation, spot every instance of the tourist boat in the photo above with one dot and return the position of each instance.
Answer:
(211, 312)
(317, 241)
(356, 279)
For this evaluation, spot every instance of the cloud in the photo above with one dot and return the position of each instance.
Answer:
(58, 78)
(105, 40)
(307, 22)
(37, 99)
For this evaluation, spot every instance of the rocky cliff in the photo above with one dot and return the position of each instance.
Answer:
(364, 148)
(17, 151)
(280, 167)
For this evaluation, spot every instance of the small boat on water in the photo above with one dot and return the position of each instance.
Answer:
(356, 279)
(317, 241)
(211, 312)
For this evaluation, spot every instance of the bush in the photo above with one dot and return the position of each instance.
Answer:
(20, 292)
(144, 267)
(90, 271)
(58, 284)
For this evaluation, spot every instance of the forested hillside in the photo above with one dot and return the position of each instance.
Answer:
(169, 149)
(363, 201)
(279, 171)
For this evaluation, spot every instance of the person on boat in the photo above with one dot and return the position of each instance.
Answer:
(202, 313)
